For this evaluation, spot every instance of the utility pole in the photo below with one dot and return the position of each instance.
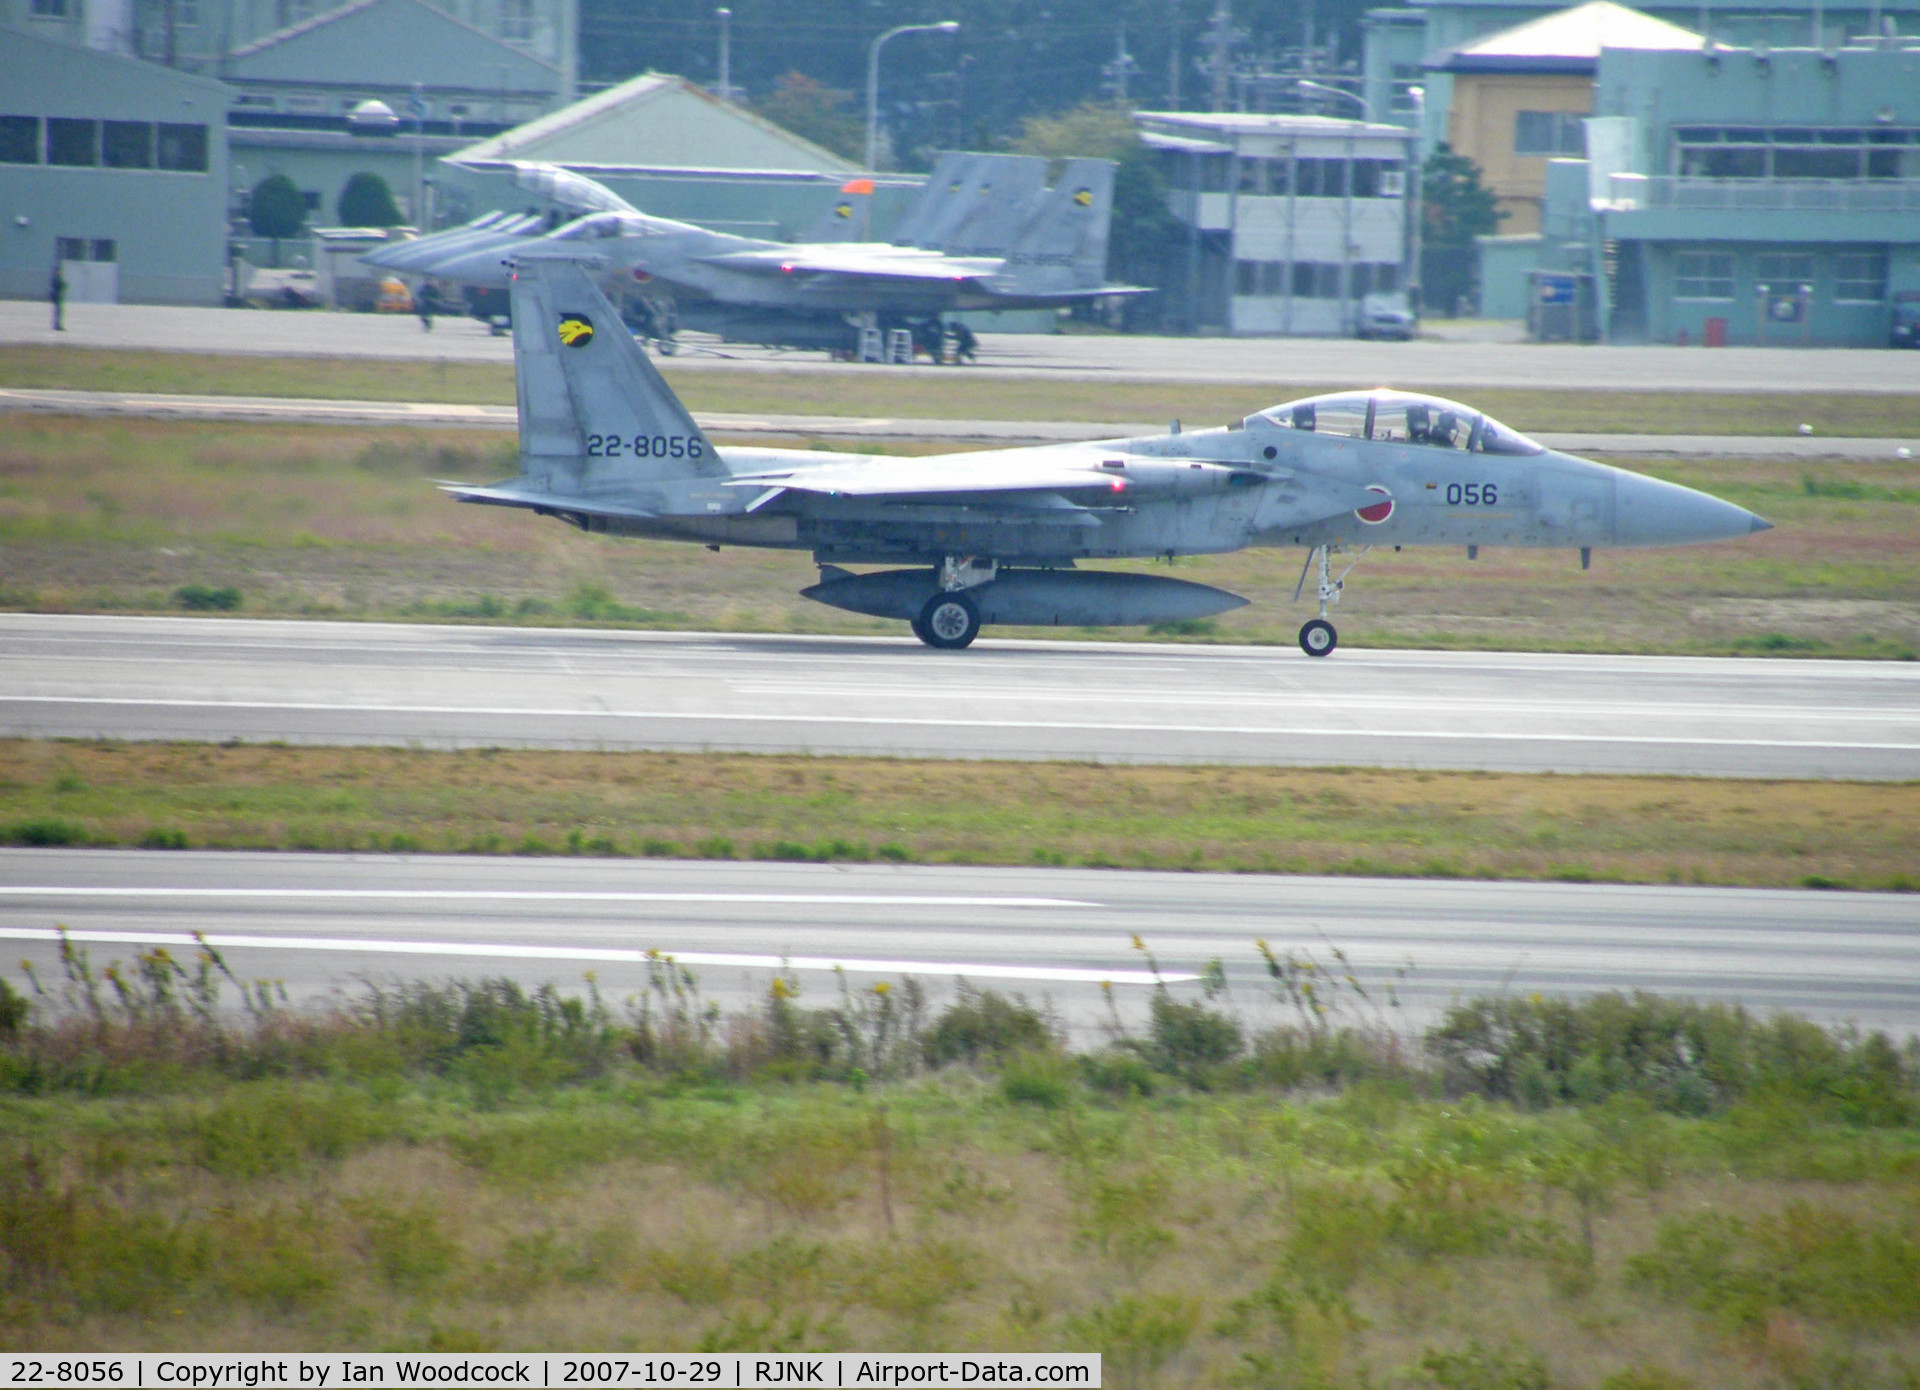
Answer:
(1220, 41)
(1173, 55)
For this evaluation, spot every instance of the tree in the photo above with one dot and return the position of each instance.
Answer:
(366, 201)
(276, 210)
(815, 112)
(1456, 207)
(1144, 234)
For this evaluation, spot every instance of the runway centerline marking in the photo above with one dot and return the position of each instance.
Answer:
(559, 895)
(960, 721)
(608, 955)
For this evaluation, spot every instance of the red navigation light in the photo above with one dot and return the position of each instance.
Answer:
(1119, 485)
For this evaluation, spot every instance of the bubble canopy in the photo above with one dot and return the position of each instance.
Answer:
(1399, 417)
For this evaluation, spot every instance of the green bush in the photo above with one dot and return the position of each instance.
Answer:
(45, 831)
(982, 1023)
(1189, 1037)
(366, 201)
(199, 598)
(1685, 1057)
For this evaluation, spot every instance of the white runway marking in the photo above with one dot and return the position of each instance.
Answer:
(965, 721)
(510, 895)
(976, 971)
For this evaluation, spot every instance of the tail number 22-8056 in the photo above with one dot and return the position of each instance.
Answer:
(1472, 495)
(644, 446)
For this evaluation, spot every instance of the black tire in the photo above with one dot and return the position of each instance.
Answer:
(919, 629)
(1317, 637)
(949, 621)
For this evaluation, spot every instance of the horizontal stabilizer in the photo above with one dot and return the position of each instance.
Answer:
(505, 495)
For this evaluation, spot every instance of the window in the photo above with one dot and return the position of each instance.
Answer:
(1703, 275)
(1816, 164)
(72, 142)
(516, 20)
(105, 251)
(19, 139)
(70, 248)
(311, 198)
(183, 147)
(49, 9)
(1860, 277)
(1784, 272)
(186, 13)
(1316, 280)
(1259, 278)
(126, 144)
(1549, 133)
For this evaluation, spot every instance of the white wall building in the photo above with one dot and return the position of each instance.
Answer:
(1293, 220)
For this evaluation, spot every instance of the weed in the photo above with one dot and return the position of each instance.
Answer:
(198, 598)
(1042, 1078)
(45, 832)
(1480, 1367)
(980, 1023)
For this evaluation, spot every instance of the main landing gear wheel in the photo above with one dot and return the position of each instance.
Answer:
(949, 621)
(1317, 637)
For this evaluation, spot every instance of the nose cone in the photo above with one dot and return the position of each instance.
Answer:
(1648, 511)
(485, 268)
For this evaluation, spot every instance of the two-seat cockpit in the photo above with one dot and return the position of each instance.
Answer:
(1399, 417)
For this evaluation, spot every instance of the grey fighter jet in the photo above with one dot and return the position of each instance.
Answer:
(1051, 253)
(996, 536)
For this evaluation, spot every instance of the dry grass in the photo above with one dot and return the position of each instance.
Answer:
(1189, 1238)
(117, 515)
(962, 395)
(1625, 829)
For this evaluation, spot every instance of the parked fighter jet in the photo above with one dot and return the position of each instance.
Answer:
(1051, 252)
(994, 536)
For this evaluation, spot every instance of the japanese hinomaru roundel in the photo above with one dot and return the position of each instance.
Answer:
(998, 535)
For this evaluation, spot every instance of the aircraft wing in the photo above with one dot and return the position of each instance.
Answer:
(858, 260)
(930, 479)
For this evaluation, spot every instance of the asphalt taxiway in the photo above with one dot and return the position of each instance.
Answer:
(318, 922)
(1456, 366)
(350, 683)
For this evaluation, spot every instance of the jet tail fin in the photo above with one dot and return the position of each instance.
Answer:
(596, 419)
(988, 202)
(849, 218)
(1064, 247)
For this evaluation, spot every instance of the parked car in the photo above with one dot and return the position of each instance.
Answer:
(1387, 315)
(1906, 320)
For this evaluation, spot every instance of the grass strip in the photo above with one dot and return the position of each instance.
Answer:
(748, 806)
(1618, 1194)
(962, 395)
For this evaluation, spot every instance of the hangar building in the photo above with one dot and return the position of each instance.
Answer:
(115, 168)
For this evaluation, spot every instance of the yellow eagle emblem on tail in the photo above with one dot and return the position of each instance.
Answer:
(1084, 197)
(575, 330)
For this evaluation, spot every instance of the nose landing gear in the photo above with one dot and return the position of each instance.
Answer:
(1318, 637)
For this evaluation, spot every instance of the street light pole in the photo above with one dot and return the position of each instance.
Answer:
(725, 16)
(945, 26)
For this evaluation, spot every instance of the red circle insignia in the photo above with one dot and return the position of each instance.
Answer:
(642, 275)
(1379, 511)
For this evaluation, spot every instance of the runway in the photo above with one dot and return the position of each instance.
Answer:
(317, 922)
(340, 683)
(992, 433)
(1460, 365)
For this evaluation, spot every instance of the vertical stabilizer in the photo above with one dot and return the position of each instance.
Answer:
(596, 419)
(993, 210)
(849, 218)
(1065, 246)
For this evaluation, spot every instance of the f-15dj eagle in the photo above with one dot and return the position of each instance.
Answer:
(995, 536)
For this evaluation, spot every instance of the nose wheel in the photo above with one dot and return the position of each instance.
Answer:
(1317, 637)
